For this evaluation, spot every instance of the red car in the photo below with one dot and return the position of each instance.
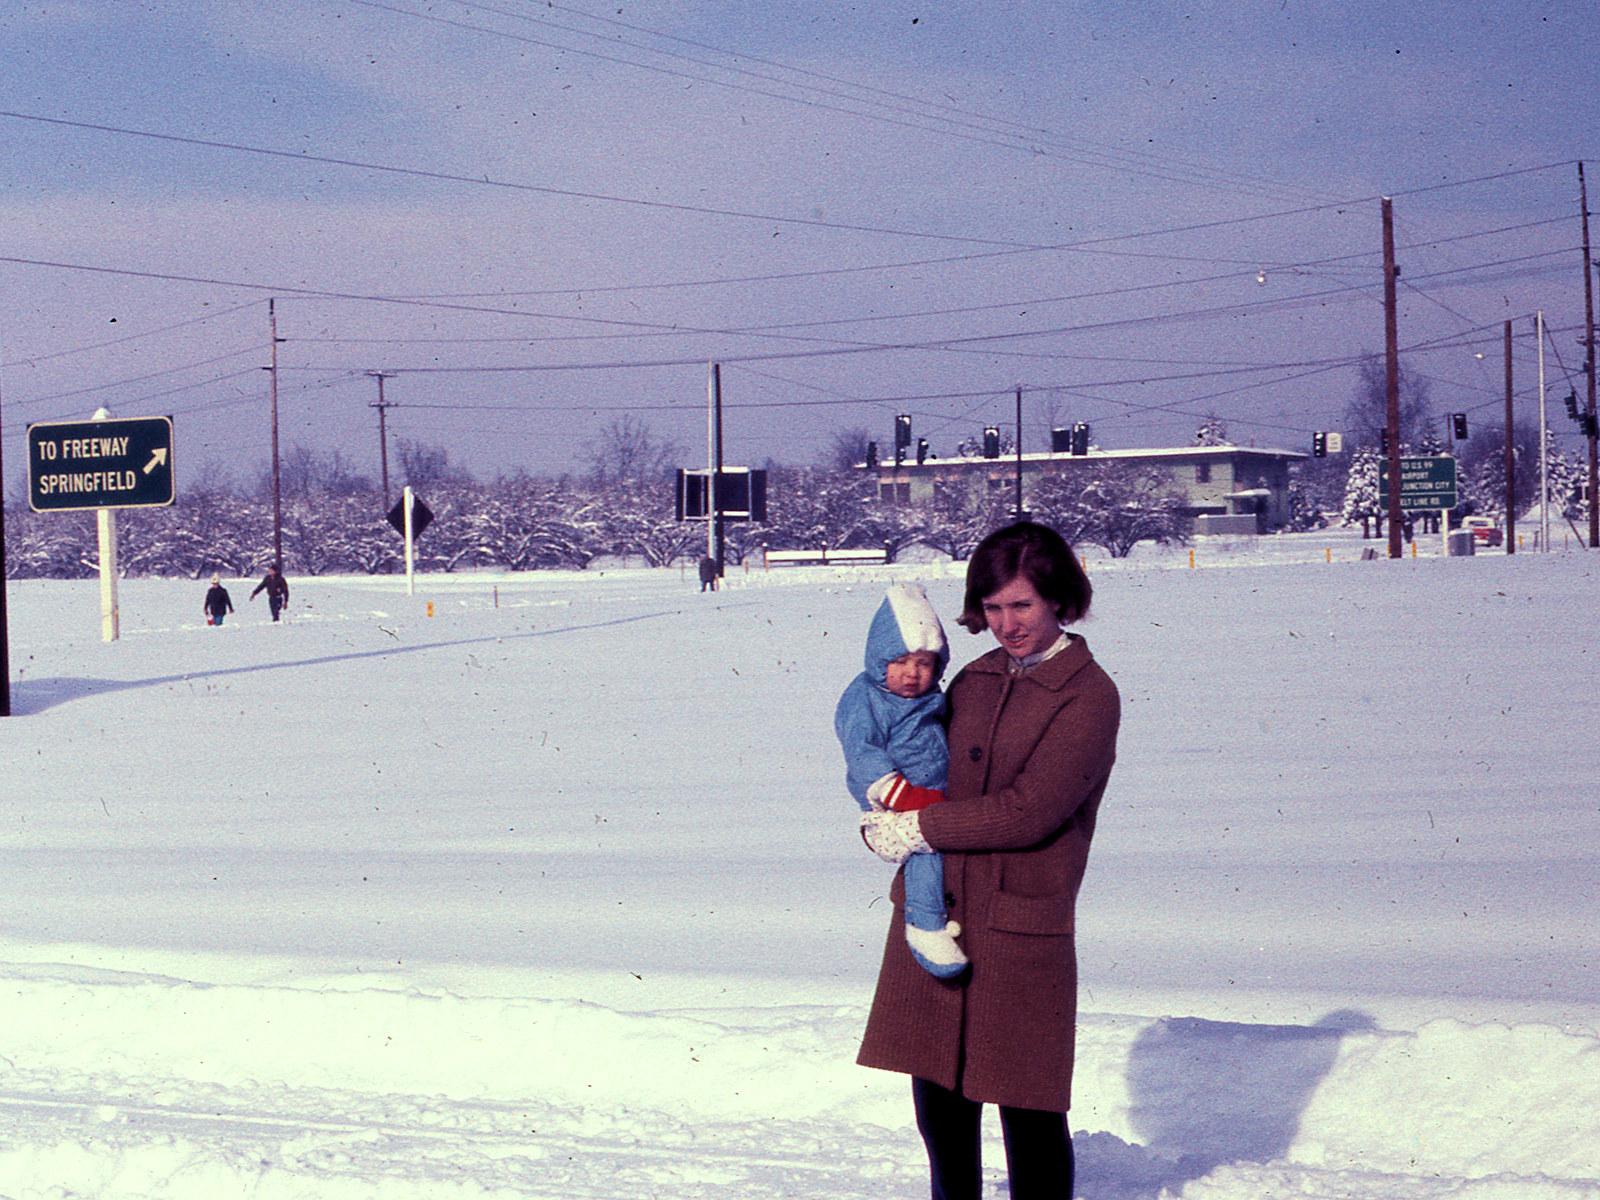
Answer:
(1484, 530)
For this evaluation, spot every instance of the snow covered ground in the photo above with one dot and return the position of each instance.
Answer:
(556, 892)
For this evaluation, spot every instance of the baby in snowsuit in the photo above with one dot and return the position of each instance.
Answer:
(890, 723)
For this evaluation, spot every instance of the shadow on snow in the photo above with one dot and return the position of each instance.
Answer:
(1207, 1093)
(32, 696)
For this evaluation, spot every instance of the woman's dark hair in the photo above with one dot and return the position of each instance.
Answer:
(1038, 554)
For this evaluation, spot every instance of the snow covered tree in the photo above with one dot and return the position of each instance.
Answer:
(847, 448)
(192, 538)
(1305, 510)
(1213, 431)
(809, 508)
(1482, 473)
(1567, 478)
(959, 518)
(1316, 489)
(629, 490)
(522, 523)
(1115, 505)
(896, 527)
(1362, 500)
(637, 519)
(50, 545)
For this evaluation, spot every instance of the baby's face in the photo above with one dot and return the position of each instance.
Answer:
(912, 675)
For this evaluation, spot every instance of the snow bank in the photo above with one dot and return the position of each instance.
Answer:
(160, 1087)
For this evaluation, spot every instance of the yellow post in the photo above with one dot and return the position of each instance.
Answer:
(1327, 554)
(1191, 557)
(430, 608)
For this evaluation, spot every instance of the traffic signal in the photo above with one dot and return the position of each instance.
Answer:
(922, 451)
(872, 454)
(1458, 425)
(991, 442)
(1319, 445)
(1383, 441)
(1080, 438)
(1572, 405)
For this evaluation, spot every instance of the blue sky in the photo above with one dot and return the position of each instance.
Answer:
(543, 217)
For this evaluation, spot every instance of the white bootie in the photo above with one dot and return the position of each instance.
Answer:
(936, 949)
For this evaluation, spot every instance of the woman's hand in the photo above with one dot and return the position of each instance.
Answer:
(894, 836)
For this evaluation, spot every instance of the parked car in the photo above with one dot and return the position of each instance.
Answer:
(1484, 530)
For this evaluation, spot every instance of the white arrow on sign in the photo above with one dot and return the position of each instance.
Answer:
(158, 458)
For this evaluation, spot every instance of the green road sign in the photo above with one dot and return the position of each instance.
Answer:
(120, 462)
(1425, 482)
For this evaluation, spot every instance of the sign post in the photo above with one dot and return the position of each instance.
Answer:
(410, 517)
(102, 464)
(110, 611)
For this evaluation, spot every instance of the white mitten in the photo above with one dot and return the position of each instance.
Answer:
(894, 836)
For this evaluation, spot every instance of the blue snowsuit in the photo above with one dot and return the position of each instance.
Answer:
(881, 734)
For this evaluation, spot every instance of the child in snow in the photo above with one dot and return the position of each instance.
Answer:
(890, 723)
(218, 603)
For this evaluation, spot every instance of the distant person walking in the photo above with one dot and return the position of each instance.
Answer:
(708, 573)
(277, 589)
(1032, 734)
(218, 603)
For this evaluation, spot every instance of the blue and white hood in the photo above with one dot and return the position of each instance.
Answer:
(904, 622)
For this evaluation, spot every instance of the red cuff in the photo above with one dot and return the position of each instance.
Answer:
(904, 797)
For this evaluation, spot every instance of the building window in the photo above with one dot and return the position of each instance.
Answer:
(1202, 472)
(895, 493)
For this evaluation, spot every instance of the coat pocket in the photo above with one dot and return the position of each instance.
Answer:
(1043, 915)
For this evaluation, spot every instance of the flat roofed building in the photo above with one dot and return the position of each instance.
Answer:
(1219, 484)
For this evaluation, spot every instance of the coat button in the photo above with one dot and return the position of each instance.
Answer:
(949, 899)
(975, 754)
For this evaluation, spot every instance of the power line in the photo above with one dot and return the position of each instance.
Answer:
(101, 387)
(33, 359)
(485, 181)
(962, 126)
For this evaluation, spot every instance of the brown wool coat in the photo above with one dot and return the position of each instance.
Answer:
(1029, 758)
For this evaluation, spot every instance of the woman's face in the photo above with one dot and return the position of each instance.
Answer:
(1021, 620)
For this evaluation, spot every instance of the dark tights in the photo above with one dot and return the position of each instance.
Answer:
(1038, 1147)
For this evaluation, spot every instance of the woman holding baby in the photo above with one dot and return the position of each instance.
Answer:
(1032, 736)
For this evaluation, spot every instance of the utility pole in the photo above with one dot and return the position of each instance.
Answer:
(1391, 346)
(1588, 362)
(383, 436)
(1510, 536)
(1544, 444)
(714, 539)
(277, 480)
(1019, 452)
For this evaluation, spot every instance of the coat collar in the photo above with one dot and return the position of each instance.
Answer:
(1053, 673)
